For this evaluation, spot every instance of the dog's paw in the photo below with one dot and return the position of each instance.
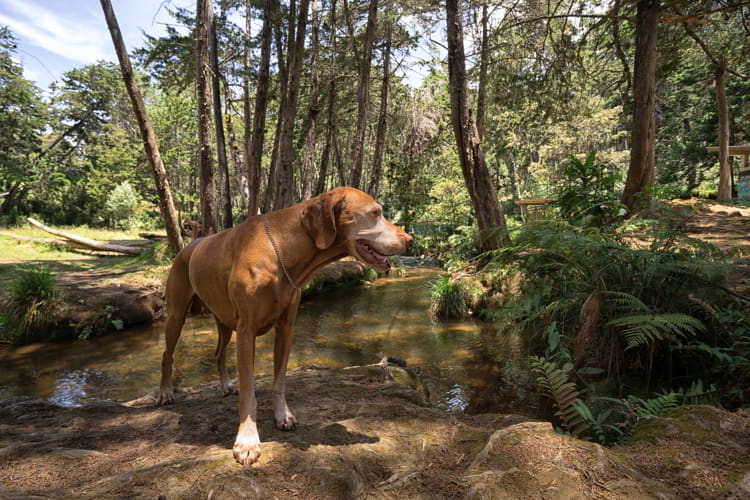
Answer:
(288, 423)
(246, 453)
(165, 397)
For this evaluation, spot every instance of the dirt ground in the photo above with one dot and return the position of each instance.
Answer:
(361, 435)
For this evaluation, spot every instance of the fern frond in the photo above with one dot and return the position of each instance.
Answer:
(640, 329)
(562, 391)
(624, 301)
(655, 407)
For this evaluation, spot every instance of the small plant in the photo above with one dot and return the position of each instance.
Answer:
(448, 298)
(121, 206)
(30, 303)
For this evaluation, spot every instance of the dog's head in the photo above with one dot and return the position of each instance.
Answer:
(348, 217)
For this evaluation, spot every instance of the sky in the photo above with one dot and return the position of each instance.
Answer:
(55, 36)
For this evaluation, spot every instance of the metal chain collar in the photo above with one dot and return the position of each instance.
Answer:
(278, 254)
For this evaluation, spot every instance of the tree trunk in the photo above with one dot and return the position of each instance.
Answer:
(261, 104)
(330, 115)
(250, 191)
(221, 145)
(363, 96)
(240, 172)
(166, 205)
(380, 135)
(308, 156)
(513, 176)
(204, 15)
(725, 172)
(285, 196)
(489, 213)
(283, 84)
(643, 134)
(483, 62)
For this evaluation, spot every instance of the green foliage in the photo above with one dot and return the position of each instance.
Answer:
(121, 206)
(641, 329)
(30, 302)
(587, 195)
(448, 298)
(556, 384)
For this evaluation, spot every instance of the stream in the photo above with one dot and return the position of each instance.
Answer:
(468, 366)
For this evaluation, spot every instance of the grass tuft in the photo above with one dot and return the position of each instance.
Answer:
(30, 302)
(448, 298)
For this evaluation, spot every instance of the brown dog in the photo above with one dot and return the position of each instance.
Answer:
(249, 278)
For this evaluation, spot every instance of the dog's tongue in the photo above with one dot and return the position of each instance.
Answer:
(372, 257)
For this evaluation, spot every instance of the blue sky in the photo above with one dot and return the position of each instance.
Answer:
(55, 36)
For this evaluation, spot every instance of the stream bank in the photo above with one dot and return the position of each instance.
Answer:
(361, 435)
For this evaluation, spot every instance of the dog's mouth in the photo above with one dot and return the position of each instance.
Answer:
(372, 257)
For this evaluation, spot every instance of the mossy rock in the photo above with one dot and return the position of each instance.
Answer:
(695, 424)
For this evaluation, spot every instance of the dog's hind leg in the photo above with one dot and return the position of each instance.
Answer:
(225, 335)
(179, 297)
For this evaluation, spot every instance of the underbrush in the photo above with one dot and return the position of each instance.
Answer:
(625, 319)
(29, 303)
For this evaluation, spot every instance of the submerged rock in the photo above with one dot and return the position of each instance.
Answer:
(364, 433)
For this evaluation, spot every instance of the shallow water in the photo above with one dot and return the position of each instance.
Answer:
(468, 366)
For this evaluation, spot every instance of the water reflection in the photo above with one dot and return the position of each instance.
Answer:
(468, 367)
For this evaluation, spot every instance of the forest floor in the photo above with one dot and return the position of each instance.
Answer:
(361, 435)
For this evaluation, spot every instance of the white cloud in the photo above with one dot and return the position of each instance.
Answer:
(59, 32)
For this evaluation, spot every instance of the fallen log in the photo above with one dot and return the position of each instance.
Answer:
(87, 242)
(152, 236)
(51, 241)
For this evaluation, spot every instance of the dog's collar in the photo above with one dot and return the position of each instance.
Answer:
(278, 254)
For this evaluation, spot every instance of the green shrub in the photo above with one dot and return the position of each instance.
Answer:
(122, 205)
(448, 298)
(30, 302)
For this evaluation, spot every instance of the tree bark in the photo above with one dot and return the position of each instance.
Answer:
(308, 155)
(363, 96)
(221, 144)
(643, 134)
(283, 84)
(483, 62)
(489, 213)
(204, 15)
(325, 158)
(166, 204)
(261, 104)
(380, 134)
(250, 191)
(285, 184)
(725, 172)
(240, 172)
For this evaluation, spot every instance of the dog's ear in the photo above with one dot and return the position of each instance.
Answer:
(319, 219)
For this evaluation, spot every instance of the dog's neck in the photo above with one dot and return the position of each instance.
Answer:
(306, 257)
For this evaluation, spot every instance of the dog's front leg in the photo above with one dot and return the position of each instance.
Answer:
(247, 445)
(282, 345)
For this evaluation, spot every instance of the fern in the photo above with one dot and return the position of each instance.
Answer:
(624, 301)
(562, 391)
(696, 394)
(655, 407)
(640, 329)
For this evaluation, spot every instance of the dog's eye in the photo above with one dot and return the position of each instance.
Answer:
(377, 212)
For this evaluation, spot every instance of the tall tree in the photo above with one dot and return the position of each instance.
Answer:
(221, 143)
(328, 150)
(379, 154)
(489, 213)
(309, 127)
(295, 55)
(166, 205)
(204, 20)
(254, 146)
(363, 95)
(643, 131)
